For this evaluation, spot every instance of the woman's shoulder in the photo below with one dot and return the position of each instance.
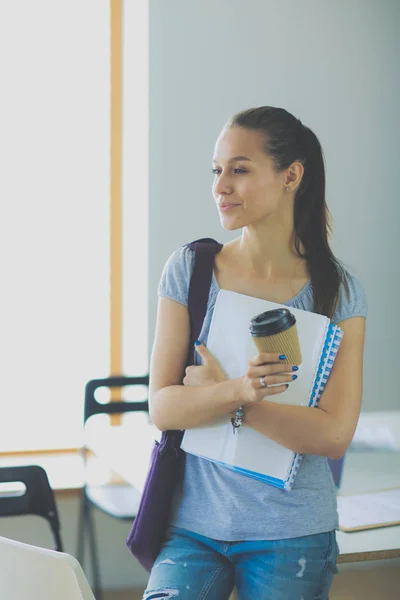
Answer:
(176, 274)
(352, 300)
(181, 261)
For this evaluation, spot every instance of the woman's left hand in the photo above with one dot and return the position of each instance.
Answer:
(206, 374)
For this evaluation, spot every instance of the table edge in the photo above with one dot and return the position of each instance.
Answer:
(369, 555)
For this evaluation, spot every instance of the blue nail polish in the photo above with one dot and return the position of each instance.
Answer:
(282, 357)
(294, 376)
(197, 343)
(295, 368)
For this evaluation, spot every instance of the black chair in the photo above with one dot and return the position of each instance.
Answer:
(118, 501)
(37, 499)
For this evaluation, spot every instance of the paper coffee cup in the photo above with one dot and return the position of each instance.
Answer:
(276, 331)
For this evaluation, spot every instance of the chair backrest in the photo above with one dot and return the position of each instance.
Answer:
(37, 499)
(39, 574)
(93, 407)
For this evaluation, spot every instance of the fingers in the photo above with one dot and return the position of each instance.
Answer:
(275, 383)
(202, 350)
(278, 389)
(266, 357)
(253, 392)
(269, 380)
(279, 383)
(274, 379)
(270, 369)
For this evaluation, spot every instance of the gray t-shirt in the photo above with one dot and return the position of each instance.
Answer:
(225, 505)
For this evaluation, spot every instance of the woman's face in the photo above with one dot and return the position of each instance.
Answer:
(246, 188)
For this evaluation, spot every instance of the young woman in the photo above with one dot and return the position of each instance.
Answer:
(227, 529)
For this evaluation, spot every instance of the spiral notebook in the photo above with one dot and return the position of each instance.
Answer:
(248, 451)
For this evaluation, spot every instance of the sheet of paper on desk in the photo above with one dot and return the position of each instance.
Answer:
(370, 510)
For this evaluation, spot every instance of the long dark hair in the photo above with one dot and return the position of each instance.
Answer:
(285, 140)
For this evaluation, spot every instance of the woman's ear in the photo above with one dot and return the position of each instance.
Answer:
(294, 176)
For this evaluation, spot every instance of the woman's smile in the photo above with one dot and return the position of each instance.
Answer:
(225, 207)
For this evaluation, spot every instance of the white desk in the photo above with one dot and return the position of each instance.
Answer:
(126, 450)
(366, 472)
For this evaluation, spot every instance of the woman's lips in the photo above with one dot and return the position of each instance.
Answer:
(226, 207)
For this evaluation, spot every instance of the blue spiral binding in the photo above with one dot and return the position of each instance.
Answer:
(331, 346)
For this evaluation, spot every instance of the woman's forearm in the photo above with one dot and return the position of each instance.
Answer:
(184, 407)
(300, 428)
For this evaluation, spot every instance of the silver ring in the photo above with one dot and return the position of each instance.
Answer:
(262, 382)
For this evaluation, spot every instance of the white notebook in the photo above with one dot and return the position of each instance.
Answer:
(248, 451)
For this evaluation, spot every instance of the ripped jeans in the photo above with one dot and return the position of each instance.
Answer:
(193, 567)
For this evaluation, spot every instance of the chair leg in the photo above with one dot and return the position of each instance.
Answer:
(80, 550)
(93, 550)
(86, 524)
(58, 541)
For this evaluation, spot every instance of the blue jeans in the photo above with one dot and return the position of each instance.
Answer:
(194, 567)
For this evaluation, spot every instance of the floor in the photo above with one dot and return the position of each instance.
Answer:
(374, 584)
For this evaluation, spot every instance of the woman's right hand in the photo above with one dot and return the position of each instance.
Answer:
(268, 366)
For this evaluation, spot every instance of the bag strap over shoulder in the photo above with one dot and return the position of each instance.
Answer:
(205, 250)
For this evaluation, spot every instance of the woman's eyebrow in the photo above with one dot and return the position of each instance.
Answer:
(236, 158)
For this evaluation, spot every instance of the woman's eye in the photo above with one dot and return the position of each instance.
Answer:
(236, 171)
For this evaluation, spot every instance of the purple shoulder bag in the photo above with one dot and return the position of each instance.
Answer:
(146, 535)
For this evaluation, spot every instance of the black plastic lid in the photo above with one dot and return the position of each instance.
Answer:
(271, 322)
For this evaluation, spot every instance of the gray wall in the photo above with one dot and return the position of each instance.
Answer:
(333, 64)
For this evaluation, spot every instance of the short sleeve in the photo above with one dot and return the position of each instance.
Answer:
(354, 305)
(175, 277)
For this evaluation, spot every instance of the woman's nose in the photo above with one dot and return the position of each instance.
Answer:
(222, 185)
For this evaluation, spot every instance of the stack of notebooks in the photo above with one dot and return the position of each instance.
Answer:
(249, 452)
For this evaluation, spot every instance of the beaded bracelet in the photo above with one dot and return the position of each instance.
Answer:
(237, 419)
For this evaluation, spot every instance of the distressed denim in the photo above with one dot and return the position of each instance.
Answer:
(194, 567)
